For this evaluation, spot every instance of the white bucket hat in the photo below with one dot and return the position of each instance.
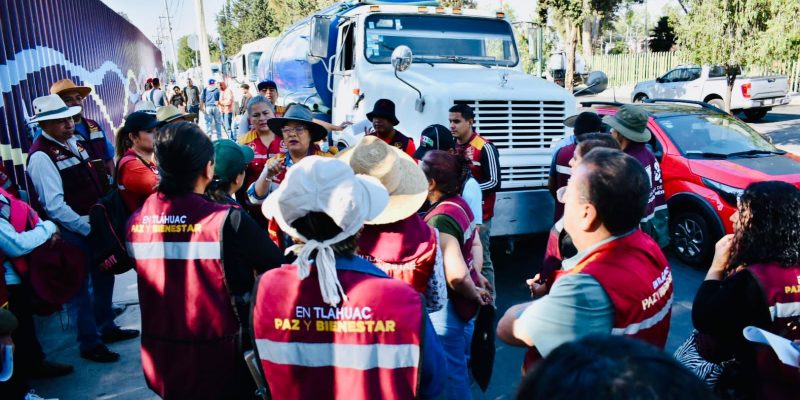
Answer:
(329, 186)
(52, 107)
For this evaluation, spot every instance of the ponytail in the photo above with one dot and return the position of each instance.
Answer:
(122, 142)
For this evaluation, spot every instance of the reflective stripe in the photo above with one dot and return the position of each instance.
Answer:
(633, 329)
(653, 214)
(260, 156)
(69, 162)
(784, 310)
(175, 250)
(84, 154)
(563, 170)
(96, 135)
(355, 356)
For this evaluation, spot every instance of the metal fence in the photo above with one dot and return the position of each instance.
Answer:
(43, 41)
(628, 69)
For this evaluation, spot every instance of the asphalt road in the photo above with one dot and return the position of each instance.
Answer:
(124, 380)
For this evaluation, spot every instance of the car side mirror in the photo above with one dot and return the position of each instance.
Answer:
(319, 35)
(660, 80)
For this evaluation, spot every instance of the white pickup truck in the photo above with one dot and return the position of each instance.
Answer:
(752, 95)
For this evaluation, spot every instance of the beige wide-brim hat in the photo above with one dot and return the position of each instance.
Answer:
(397, 171)
(67, 85)
(169, 113)
(52, 107)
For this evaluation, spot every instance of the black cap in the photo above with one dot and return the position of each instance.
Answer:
(585, 122)
(140, 121)
(264, 85)
(434, 137)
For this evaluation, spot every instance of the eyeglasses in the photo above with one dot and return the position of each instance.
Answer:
(296, 130)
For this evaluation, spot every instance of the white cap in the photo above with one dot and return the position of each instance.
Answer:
(329, 186)
(145, 106)
(52, 107)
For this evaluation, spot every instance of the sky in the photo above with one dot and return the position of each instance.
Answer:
(145, 13)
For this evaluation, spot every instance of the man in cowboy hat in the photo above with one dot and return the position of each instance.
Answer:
(170, 113)
(383, 121)
(629, 128)
(90, 133)
(68, 185)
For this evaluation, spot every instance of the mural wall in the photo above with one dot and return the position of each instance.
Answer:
(43, 41)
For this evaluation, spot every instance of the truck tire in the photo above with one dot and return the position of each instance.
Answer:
(755, 114)
(692, 239)
(719, 103)
(640, 98)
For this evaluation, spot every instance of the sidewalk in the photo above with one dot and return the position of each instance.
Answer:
(121, 380)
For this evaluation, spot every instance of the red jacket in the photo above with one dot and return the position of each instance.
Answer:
(485, 168)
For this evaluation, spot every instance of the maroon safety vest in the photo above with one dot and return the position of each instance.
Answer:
(636, 277)
(472, 151)
(369, 347)
(22, 217)
(399, 140)
(80, 181)
(781, 288)
(656, 199)
(562, 173)
(190, 331)
(405, 250)
(96, 144)
(456, 208)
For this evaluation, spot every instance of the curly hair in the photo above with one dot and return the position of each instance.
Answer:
(770, 231)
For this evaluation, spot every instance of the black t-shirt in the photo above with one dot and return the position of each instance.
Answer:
(246, 250)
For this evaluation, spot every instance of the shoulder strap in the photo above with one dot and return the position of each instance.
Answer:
(122, 161)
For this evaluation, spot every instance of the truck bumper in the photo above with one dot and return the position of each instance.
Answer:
(778, 101)
(522, 212)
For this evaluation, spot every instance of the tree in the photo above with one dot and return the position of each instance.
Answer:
(287, 12)
(663, 36)
(244, 21)
(459, 3)
(738, 33)
(186, 56)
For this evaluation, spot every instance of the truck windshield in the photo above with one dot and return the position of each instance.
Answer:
(715, 136)
(441, 39)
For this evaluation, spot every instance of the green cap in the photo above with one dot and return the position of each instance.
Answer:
(631, 122)
(230, 159)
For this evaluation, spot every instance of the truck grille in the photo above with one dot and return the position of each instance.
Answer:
(532, 124)
(524, 176)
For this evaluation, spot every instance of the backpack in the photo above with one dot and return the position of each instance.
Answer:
(108, 219)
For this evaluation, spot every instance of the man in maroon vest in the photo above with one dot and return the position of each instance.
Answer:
(619, 282)
(485, 168)
(88, 132)
(384, 120)
(67, 185)
(336, 326)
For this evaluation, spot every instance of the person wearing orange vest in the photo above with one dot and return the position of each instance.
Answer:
(485, 168)
(618, 283)
(333, 325)
(398, 241)
(195, 261)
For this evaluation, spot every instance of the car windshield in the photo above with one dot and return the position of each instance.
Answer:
(714, 135)
(441, 39)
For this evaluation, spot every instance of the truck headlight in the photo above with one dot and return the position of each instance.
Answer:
(726, 192)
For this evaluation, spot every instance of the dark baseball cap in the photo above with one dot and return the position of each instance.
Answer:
(585, 122)
(230, 159)
(140, 121)
(434, 137)
(264, 85)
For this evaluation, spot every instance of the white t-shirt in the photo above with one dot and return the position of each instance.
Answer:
(473, 196)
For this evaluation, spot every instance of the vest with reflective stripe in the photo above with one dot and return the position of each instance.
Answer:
(472, 151)
(562, 173)
(655, 218)
(456, 208)
(369, 347)
(22, 217)
(405, 250)
(399, 140)
(190, 332)
(80, 181)
(636, 277)
(96, 143)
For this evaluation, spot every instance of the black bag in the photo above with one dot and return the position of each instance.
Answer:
(108, 219)
(482, 348)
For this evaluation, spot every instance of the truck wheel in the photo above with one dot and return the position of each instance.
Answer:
(692, 239)
(755, 114)
(719, 103)
(640, 98)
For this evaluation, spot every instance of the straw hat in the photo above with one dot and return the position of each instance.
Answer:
(169, 113)
(397, 171)
(52, 107)
(66, 85)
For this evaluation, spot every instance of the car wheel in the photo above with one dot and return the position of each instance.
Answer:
(755, 114)
(719, 103)
(640, 98)
(692, 239)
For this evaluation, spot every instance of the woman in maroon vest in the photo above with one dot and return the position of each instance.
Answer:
(754, 279)
(188, 284)
(462, 251)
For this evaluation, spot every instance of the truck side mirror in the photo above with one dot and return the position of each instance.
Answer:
(320, 33)
(401, 58)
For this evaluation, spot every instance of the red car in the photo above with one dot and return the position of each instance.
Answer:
(707, 159)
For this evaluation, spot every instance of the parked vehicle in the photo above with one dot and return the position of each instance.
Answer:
(707, 160)
(345, 57)
(754, 96)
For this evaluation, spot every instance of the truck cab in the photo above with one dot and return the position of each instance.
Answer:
(339, 63)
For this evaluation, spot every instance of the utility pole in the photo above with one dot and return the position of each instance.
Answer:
(172, 43)
(202, 40)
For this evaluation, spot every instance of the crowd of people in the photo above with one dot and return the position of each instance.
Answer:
(359, 272)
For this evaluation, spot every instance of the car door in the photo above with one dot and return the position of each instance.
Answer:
(667, 86)
(690, 87)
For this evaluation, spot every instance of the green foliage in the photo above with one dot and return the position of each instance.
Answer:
(287, 12)
(186, 56)
(663, 35)
(459, 3)
(244, 21)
